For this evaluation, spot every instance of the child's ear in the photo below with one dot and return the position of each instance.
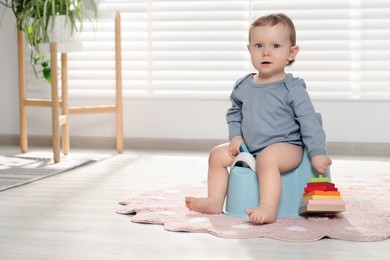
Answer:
(293, 52)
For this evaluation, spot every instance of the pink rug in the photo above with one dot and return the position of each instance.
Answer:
(367, 215)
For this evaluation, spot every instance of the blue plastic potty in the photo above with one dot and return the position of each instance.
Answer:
(243, 187)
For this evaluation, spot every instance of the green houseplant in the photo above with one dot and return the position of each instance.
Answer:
(36, 18)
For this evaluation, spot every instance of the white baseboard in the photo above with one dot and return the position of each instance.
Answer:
(334, 148)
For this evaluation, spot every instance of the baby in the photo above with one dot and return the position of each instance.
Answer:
(273, 115)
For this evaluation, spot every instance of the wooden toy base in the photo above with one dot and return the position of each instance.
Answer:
(318, 208)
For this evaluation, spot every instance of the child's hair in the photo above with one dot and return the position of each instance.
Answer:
(274, 19)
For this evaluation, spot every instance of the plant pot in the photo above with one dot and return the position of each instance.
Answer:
(61, 30)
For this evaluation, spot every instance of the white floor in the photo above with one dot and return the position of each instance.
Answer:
(72, 216)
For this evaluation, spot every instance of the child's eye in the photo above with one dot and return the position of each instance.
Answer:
(258, 45)
(275, 46)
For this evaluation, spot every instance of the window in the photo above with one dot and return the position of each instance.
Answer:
(198, 48)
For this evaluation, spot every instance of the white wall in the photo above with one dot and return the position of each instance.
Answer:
(352, 121)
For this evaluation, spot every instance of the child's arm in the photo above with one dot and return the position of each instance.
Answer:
(321, 163)
(310, 123)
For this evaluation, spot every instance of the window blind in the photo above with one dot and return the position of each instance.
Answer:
(198, 48)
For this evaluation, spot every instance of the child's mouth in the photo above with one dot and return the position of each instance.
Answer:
(266, 62)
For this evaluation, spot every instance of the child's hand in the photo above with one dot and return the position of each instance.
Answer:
(234, 145)
(321, 163)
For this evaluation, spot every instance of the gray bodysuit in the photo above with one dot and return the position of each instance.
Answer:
(281, 111)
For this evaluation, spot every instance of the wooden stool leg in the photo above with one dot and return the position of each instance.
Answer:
(64, 103)
(55, 102)
(22, 94)
(118, 71)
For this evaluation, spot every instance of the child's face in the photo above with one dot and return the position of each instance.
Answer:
(271, 50)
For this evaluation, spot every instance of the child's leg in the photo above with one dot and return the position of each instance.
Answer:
(270, 163)
(219, 161)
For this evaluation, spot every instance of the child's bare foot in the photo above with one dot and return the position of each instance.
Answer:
(261, 215)
(203, 205)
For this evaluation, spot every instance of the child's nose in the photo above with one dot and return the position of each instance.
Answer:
(266, 52)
